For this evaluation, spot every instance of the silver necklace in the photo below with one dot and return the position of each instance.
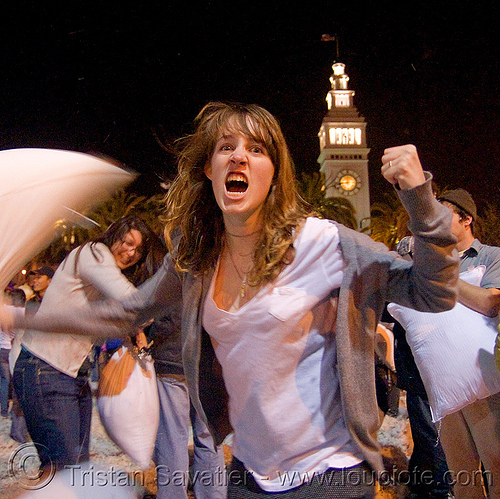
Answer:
(243, 278)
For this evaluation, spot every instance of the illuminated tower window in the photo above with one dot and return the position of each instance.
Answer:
(348, 136)
(341, 100)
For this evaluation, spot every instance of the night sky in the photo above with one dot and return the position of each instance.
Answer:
(116, 78)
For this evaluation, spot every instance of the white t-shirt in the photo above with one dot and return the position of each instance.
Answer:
(278, 356)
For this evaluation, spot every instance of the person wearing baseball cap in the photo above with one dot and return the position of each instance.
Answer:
(41, 281)
(46, 271)
(462, 199)
(463, 205)
(471, 434)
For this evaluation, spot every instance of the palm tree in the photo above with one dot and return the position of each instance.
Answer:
(119, 205)
(487, 228)
(388, 222)
(313, 189)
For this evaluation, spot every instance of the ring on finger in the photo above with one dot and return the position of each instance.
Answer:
(390, 164)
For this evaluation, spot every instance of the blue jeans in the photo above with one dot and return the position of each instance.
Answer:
(4, 381)
(57, 409)
(171, 450)
(428, 467)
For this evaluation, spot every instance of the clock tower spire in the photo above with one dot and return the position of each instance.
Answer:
(344, 154)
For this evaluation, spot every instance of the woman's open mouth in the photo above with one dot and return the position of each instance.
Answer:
(236, 183)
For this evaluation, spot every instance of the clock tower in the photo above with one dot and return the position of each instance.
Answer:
(344, 155)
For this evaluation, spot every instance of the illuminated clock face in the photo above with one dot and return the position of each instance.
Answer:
(347, 182)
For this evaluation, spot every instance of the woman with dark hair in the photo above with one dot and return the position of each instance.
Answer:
(120, 236)
(51, 374)
(278, 309)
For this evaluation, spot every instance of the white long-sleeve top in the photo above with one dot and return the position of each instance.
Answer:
(95, 278)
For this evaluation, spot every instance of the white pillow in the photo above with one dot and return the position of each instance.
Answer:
(128, 405)
(454, 352)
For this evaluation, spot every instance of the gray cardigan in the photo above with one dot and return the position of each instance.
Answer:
(372, 276)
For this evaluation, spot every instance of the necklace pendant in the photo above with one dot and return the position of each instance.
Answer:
(243, 287)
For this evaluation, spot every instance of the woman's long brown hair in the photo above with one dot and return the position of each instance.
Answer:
(193, 219)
